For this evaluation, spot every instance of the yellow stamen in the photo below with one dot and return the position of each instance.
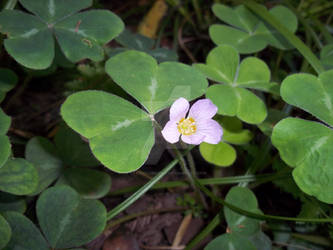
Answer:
(186, 126)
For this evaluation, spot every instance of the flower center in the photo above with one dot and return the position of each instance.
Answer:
(186, 126)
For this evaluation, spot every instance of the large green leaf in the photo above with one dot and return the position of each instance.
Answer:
(18, 176)
(306, 146)
(231, 241)
(5, 232)
(72, 149)
(221, 154)
(8, 80)
(155, 86)
(231, 98)
(43, 154)
(89, 183)
(120, 134)
(67, 220)
(242, 197)
(312, 94)
(30, 38)
(25, 235)
(247, 33)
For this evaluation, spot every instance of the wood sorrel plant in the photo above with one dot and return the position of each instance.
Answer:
(117, 123)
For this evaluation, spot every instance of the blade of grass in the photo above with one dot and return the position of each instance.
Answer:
(208, 181)
(130, 200)
(259, 216)
(209, 228)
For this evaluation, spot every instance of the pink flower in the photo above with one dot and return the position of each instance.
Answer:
(197, 127)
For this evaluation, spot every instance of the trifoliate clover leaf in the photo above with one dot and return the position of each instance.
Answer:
(30, 37)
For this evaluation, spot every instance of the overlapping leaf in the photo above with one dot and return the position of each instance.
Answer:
(67, 220)
(243, 232)
(25, 235)
(304, 144)
(231, 97)
(247, 33)
(69, 150)
(30, 37)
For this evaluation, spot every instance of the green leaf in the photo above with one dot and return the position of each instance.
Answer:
(221, 154)
(232, 241)
(18, 176)
(247, 33)
(306, 146)
(10, 202)
(233, 101)
(242, 197)
(298, 89)
(8, 80)
(44, 156)
(66, 140)
(90, 184)
(155, 86)
(5, 232)
(68, 220)
(52, 11)
(30, 38)
(120, 134)
(25, 235)
(221, 64)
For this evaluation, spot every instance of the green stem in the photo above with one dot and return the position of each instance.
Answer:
(141, 191)
(209, 228)
(198, 13)
(259, 216)
(143, 213)
(208, 181)
(293, 39)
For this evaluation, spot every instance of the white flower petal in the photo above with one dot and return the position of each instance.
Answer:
(170, 132)
(202, 109)
(195, 139)
(179, 109)
(211, 130)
